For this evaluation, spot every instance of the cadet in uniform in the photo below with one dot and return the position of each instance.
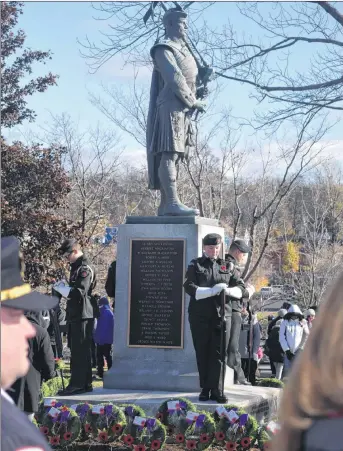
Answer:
(80, 316)
(17, 432)
(206, 278)
(236, 257)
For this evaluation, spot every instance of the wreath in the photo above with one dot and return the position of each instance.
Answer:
(44, 408)
(235, 427)
(175, 414)
(200, 434)
(266, 434)
(105, 422)
(83, 410)
(144, 434)
(61, 426)
(131, 412)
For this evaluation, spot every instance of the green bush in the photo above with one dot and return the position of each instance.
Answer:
(270, 382)
(50, 388)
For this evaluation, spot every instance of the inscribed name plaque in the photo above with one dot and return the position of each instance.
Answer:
(156, 296)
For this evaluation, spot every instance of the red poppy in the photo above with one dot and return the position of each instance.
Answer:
(223, 268)
(159, 415)
(88, 427)
(55, 440)
(67, 436)
(220, 436)
(204, 438)
(139, 448)
(44, 430)
(180, 438)
(245, 442)
(102, 411)
(128, 439)
(64, 409)
(231, 446)
(117, 428)
(155, 445)
(53, 403)
(191, 444)
(103, 436)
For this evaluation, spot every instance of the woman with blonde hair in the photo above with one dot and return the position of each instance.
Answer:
(311, 413)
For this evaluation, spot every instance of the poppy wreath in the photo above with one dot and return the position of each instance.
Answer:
(150, 437)
(84, 412)
(44, 409)
(175, 420)
(63, 429)
(107, 426)
(264, 438)
(243, 433)
(200, 434)
(131, 411)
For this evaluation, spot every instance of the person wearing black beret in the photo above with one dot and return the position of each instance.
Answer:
(237, 257)
(80, 315)
(206, 278)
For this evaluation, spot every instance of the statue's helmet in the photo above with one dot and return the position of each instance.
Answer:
(173, 14)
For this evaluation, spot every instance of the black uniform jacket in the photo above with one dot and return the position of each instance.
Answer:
(82, 282)
(237, 304)
(25, 391)
(204, 272)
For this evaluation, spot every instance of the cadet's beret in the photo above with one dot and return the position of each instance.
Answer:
(212, 239)
(67, 246)
(242, 246)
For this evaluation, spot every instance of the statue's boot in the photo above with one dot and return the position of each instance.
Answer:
(160, 210)
(167, 176)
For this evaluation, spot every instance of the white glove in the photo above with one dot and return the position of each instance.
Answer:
(234, 292)
(62, 288)
(255, 357)
(207, 292)
(251, 290)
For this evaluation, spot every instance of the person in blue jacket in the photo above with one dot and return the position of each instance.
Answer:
(103, 335)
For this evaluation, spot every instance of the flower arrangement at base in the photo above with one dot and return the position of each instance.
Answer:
(61, 427)
(270, 382)
(144, 434)
(83, 411)
(266, 433)
(201, 432)
(131, 411)
(44, 408)
(177, 415)
(105, 422)
(236, 428)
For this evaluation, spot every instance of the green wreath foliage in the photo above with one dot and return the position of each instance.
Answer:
(62, 431)
(270, 382)
(83, 411)
(51, 387)
(176, 422)
(200, 437)
(106, 427)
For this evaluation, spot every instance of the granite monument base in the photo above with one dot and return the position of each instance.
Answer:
(144, 367)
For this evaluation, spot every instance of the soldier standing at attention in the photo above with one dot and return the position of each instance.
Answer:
(80, 316)
(206, 278)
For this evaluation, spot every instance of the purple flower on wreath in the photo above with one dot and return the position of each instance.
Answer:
(200, 421)
(82, 411)
(150, 424)
(243, 419)
(129, 411)
(108, 410)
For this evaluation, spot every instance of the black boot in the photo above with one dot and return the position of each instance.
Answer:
(217, 396)
(204, 395)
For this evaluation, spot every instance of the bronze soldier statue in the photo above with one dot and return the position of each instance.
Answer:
(174, 97)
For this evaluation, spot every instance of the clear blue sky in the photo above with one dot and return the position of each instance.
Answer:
(57, 25)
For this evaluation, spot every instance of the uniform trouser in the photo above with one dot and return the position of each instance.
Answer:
(81, 353)
(272, 367)
(206, 334)
(234, 357)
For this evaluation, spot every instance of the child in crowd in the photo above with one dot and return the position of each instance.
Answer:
(103, 336)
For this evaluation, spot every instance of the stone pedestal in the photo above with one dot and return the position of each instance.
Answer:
(151, 368)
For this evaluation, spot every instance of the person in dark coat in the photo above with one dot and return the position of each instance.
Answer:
(103, 335)
(236, 258)
(17, 432)
(206, 278)
(25, 391)
(248, 346)
(110, 284)
(281, 313)
(80, 316)
(275, 351)
(61, 319)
